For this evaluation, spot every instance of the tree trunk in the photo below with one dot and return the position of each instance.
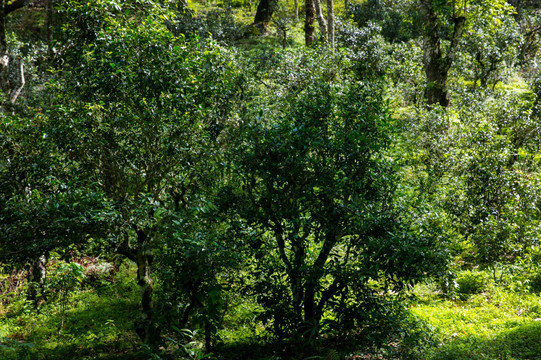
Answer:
(296, 3)
(11, 68)
(309, 22)
(330, 23)
(437, 65)
(4, 58)
(320, 19)
(16, 78)
(311, 321)
(36, 279)
(145, 327)
(208, 336)
(263, 15)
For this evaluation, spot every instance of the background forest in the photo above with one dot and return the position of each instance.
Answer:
(211, 179)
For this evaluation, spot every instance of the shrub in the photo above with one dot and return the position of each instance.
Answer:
(535, 282)
(471, 282)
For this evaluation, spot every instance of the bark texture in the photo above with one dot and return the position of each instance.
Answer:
(320, 19)
(310, 17)
(146, 328)
(142, 255)
(330, 23)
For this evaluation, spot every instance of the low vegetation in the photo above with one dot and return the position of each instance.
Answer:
(489, 320)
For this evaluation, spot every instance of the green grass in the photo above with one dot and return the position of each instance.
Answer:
(495, 324)
(98, 325)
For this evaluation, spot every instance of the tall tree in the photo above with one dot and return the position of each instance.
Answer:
(444, 25)
(330, 23)
(137, 110)
(317, 189)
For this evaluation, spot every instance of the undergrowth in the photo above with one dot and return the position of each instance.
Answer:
(488, 321)
(93, 323)
(479, 320)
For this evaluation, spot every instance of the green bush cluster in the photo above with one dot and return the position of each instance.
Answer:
(470, 283)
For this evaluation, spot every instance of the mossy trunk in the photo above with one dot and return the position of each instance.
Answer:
(310, 17)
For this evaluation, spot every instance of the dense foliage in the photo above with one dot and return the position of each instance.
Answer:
(261, 191)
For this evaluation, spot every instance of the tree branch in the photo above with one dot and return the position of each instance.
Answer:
(460, 22)
(14, 5)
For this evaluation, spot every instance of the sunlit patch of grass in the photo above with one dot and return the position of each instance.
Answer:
(240, 324)
(489, 325)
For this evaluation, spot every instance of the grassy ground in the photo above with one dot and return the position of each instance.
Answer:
(497, 323)
(95, 322)
(481, 320)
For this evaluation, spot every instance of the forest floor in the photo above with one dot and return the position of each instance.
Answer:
(487, 320)
(500, 322)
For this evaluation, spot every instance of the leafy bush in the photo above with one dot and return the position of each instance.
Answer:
(217, 23)
(535, 282)
(406, 73)
(399, 21)
(365, 47)
(471, 282)
(327, 241)
(13, 349)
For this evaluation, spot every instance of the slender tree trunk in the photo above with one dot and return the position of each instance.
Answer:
(294, 273)
(263, 15)
(36, 279)
(330, 23)
(16, 78)
(296, 2)
(4, 58)
(309, 22)
(320, 19)
(208, 336)
(310, 319)
(146, 328)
